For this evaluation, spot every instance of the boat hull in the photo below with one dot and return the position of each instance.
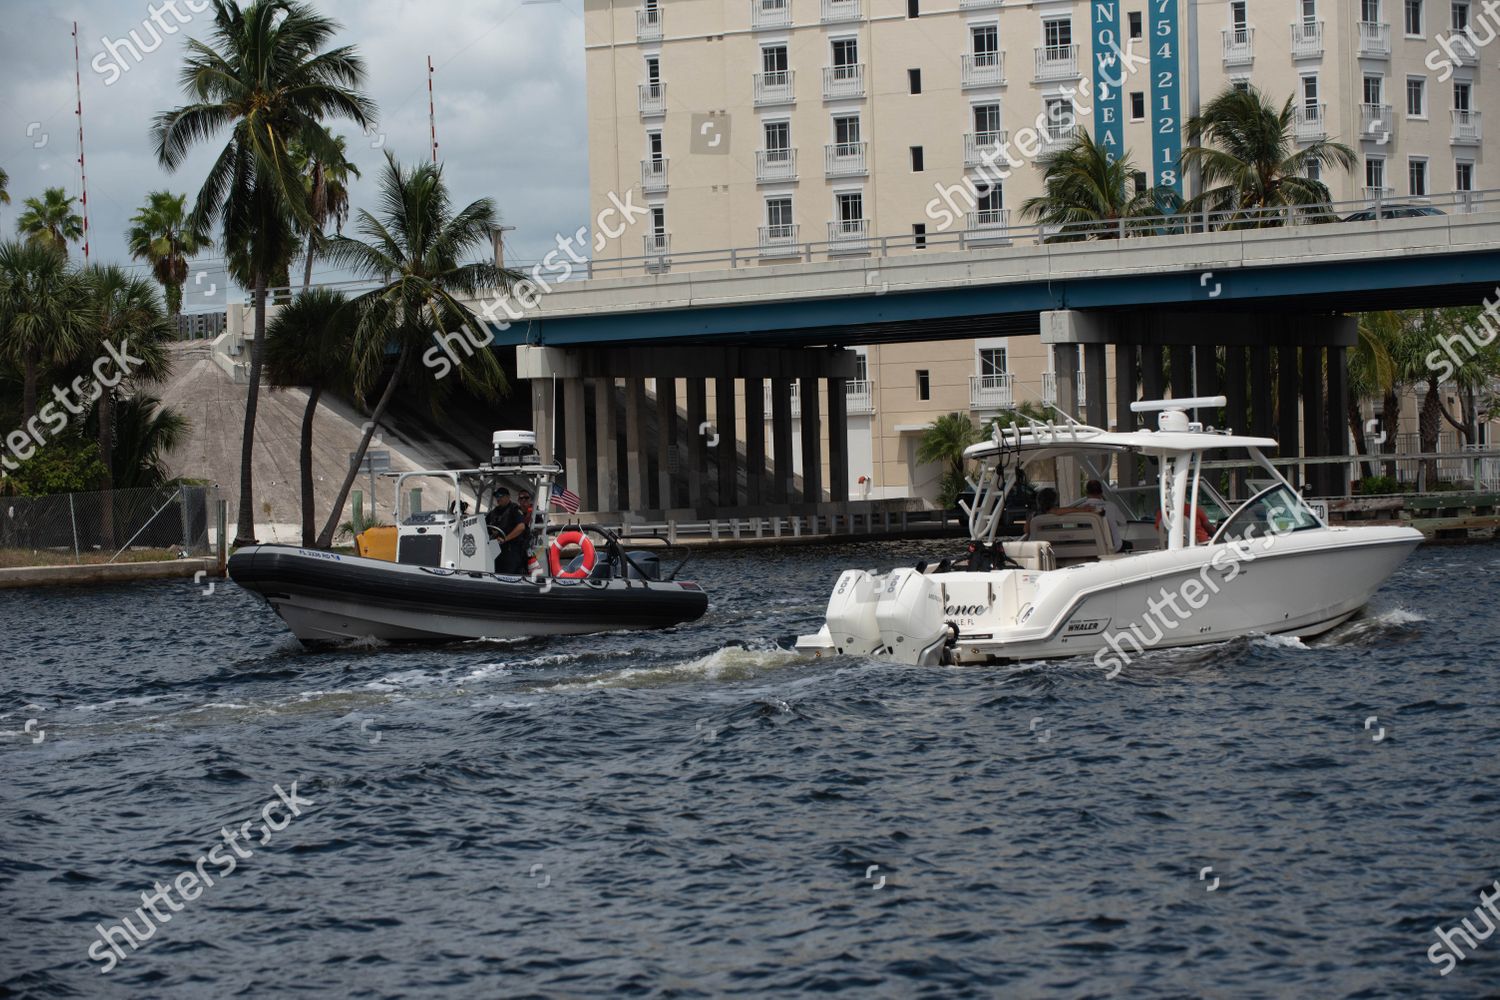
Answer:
(331, 597)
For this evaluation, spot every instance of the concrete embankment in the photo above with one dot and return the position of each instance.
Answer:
(105, 573)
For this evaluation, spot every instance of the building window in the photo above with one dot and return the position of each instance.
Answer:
(1374, 89)
(1416, 176)
(1460, 15)
(773, 62)
(851, 210)
(779, 218)
(916, 159)
(861, 367)
(1137, 30)
(988, 202)
(1059, 115)
(1375, 172)
(1369, 11)
(1414, 17)
(1240, 83)
(659, 225)
(985, 42)
(778, 141)
(924, 384)
(1416, 97)
(1057, 33)
(914, 80)
(1461, 95)
(913, 8)
(846, 130)
(1137, 105)
(1314, 170)
(1139, 181)
(1309, 11)
(845, 52)
(653, 146)
(919, 235)
(1239, 20)
(653, 71)
(992, 361)
(1463, 176)
(986, 121)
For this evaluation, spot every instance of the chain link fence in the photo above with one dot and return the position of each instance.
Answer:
(167, 522)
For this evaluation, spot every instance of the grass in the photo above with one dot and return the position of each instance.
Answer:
(25, 558)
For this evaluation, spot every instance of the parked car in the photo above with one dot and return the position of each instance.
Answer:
(1393, 211)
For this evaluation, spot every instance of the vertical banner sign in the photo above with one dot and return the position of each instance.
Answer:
(1166, 90)
(1109, 78)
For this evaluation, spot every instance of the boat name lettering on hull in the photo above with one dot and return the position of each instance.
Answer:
(965, 610)
(1087, 627)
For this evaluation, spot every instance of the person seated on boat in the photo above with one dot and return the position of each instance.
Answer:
(1202, 530)
(508, 527)
(1093, 502)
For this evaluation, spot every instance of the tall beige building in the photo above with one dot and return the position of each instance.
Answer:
(764, 132)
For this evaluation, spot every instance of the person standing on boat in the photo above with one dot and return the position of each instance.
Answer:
(507, 526)
(1093, 502)
(528, 512)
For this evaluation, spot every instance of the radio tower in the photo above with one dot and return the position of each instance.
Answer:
(431, 112)
(83, 177)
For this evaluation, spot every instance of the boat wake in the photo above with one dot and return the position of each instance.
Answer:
(730, 663)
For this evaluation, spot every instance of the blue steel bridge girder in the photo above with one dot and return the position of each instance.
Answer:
(951, 312)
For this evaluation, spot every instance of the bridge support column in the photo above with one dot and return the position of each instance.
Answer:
(606, 486)
(781, 439)
(755, 439)
(637, 467)
(1096, 380)
(1236, 410)
(697, 444)
(575, 438)
(726, 452)
(1287, 424)
(1182, 371)
(1262, 423)
(812, 443)
(1127, 376)
(838, 439)
(666, 444)
(1338, 419)
(1314, 433)
(1153, 372)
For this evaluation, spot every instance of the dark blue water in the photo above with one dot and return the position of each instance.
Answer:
(701, 813)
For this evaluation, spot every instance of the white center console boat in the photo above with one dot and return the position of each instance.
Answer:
(1271, 564)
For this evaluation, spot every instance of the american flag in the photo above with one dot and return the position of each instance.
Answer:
(565, 498)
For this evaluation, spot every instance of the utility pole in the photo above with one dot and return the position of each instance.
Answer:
(431, 113)
(83, 177)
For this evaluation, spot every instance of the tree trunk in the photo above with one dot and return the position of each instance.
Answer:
(28, 389)
(174, 307)
(307, 273)
(106, 415)
(1430, 425)
(309, 529)
(245, 531)
(1361, 445)
(1390, 428)
(325, 540)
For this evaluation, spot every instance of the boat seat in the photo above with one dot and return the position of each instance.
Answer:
(1075, 538)
(1032, 555)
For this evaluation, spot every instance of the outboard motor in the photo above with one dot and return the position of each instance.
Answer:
(910, 616)
(851, 613)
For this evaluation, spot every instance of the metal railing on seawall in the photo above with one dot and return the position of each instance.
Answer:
(856, 520)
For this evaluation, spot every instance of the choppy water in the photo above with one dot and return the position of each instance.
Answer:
(702, 813)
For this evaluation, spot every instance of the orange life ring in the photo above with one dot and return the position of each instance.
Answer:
(554, 555)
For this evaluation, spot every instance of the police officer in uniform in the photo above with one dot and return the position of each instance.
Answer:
(507, 524)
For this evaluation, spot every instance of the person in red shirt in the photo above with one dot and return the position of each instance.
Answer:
(1202, 530)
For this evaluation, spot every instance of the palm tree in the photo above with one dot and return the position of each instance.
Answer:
(945, 442)
(161, 234)
(145, 433)
(50, 219)
(415, 248)
(1375, 371)
(1250, 160)
(4, 185)
(326, 187)
(44, 312)
(309, 343)
(267, 80)
(1088, 193)
(127, 314)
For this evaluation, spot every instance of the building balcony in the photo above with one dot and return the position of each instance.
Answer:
(1374, 39)
(770, 13)
(846, 159)
(1049, 388)
(988, 225)
(1312, 122)
(653, 99)
(775, 165)
(992, 392)
(1376, 122)
(1239, 46)
(1307, 39)
(849, 235)
(859, 398)
(1057, 62)
(836, 11)
(979, 4)
(977, 144)
(775, 87)
(984, 69)
(1056, 135)
(654, 176)
(1379, 194)
(648, 24)
(779, 241)
(1466, 128)
(657, 245)
(843, 81)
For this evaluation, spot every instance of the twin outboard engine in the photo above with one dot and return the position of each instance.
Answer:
(900, 613)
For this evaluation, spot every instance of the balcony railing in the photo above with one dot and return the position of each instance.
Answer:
(653, 99)
(1239, 45)
(1056, 62)
(1375, 122)
(1378, 194)
(1049, 388)
(1058, 134)
(1466, 127)
(775, 87)
(992, 392)
(859, 397)
(849, 234)
(1374, 38)
(1307, 39)
(779, 241)
(1312, 122)
(770, 13)
(648, 23)
(657, 243)
(846, 159)
(988, 225)
(835, 11)
(844, 81)
(976, 144)
(654, 176)
(978, 4)
(775, 164)
(984, 69)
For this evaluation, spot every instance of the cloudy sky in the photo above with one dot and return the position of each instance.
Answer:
(510, 109)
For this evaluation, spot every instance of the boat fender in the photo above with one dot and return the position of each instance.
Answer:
(554, 555)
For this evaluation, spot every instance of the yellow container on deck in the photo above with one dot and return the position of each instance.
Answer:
(377, 543)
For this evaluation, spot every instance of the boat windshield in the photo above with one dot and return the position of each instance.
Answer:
(1275, 510)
